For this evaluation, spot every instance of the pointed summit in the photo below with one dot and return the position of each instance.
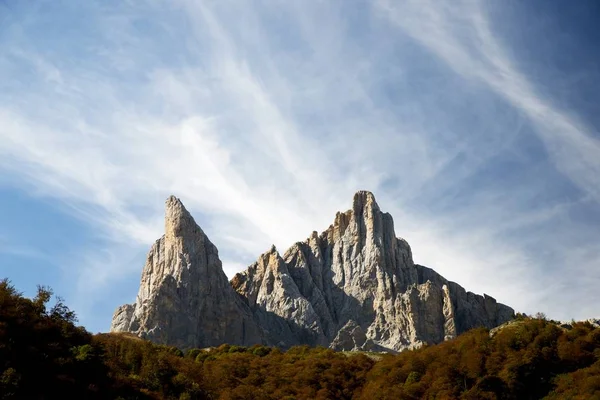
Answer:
(172, 204)
(367, 215)
(364, 204)
(178, 220)
(364, 217)
(362, 199)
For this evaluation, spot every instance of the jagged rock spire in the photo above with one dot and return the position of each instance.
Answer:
(184, 297)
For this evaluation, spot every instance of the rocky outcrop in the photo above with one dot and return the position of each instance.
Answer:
(352, 337)
(353, 287)
(185, 298)
(286, 316)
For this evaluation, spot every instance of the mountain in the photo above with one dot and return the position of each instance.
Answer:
(354, 286)
(185, 298)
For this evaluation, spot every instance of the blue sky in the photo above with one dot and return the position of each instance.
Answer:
(474, 123)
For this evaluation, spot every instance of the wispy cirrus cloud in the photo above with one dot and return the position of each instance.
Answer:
(265, 119)
(461, 35)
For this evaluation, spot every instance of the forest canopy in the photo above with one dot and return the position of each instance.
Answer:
(44, 355)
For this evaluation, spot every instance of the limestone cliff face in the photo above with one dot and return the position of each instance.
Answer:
(354, 286)
(185, 298)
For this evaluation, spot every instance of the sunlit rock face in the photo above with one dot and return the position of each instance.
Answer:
(185, 298)
(353, 287)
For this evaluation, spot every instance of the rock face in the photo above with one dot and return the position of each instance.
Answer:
(352, 287)
(185, 298)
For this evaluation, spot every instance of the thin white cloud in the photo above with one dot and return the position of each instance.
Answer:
(460, 34)
(17, 249)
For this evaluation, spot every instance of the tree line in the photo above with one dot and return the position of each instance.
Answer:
(45, 355)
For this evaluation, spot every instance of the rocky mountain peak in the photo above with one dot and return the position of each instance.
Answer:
(354, 286)
(364, 221)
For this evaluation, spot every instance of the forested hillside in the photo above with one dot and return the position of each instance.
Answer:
(43, 355)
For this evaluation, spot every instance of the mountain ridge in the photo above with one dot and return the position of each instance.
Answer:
(354, 286)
